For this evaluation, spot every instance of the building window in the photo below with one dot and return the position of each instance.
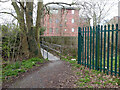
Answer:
(73, 30)
(57, 21)
(50, 30)
(65, 20)
(50, 20)
(56, 30)
(65, 29)
(72, 11)
(54, 11)
(65, 11)
(72, 20)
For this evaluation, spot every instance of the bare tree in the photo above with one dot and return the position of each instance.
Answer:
(30, 46)
(95, 9)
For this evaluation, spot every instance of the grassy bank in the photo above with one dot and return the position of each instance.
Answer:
(88, 78)
(18, 67)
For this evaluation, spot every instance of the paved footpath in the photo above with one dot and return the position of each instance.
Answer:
(55, 74)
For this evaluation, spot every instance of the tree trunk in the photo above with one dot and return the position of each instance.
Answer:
(38, 24)
(29, 45)
(32, 42)
(20, 16)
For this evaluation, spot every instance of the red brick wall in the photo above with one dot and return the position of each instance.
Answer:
(68, 26)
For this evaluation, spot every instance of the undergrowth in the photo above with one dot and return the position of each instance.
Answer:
(89, 78)
(19, 67)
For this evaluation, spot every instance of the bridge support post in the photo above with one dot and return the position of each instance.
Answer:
(43, 52)
(47, 53)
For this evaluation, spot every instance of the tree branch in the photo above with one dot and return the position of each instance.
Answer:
(17, 9)
(9, 14)
(24, 8)
(58, 3)
(3, 1)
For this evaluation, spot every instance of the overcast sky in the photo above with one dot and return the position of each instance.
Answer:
(7, 6)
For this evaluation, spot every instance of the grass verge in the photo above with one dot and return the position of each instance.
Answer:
(88, 78)
(14, 69)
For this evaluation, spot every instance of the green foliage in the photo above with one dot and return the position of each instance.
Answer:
(82, 84)
(65, 59)
(87, 76)
(4, 30)
(69, 57)
(10, 39)
(119, 82)
(78, 73)
(5, 48)
(82, 67)
(70, 43)
(20, 67)
(10, 72)
(90, 76)
(94, 71)
(85, 80)
(13, 66)
(72, 62)
(101, 78)
(97, 82)
(86, 71)
(90, 86)
(42, 30)
(17, 65)
(31, 62)
(46, 59)
(77, 66)
(112, 62)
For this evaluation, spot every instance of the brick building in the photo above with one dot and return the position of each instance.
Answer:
(63, 22)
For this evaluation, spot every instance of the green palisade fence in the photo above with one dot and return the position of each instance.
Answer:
(98, 48)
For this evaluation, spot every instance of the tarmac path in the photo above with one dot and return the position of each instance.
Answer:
(55, 74)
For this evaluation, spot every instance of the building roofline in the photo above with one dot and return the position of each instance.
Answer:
(67, 8)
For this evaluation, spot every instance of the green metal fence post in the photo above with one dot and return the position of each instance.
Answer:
(83, 49)
(98, 53)
(93, 48)
(85, 46)
(90, 44)
(104, 48)
(101, 49)
(88, 48)
(108, 45)
(96, 58)
(97, 47)
(112, 42)
(119, 35)
(79, 45)
(116, 46)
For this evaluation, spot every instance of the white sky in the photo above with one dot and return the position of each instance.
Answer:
(7, 6)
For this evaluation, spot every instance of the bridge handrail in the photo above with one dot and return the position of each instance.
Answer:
(52, 44)
(50, 48)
